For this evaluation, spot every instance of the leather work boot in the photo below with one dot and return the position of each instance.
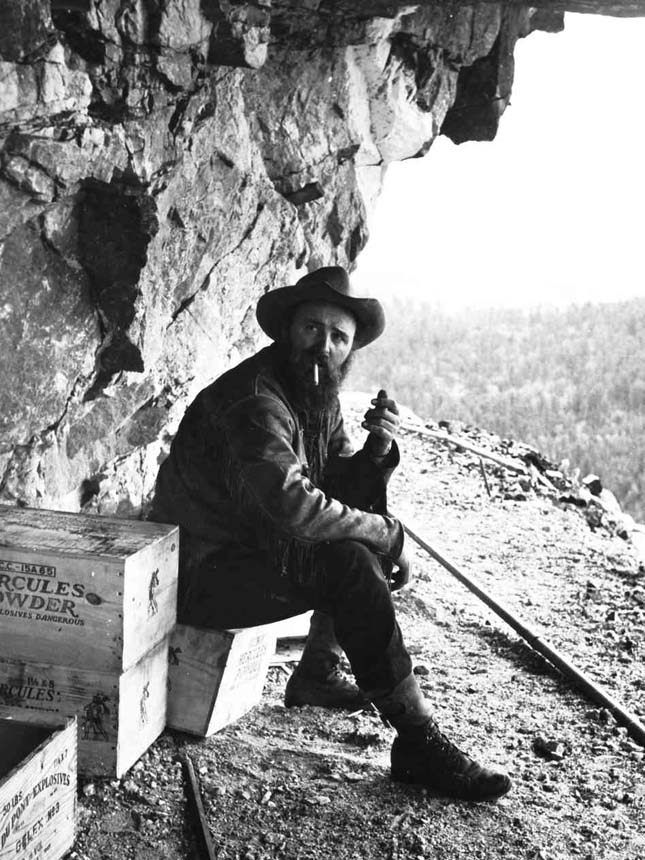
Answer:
(318, 680)
(421, 754)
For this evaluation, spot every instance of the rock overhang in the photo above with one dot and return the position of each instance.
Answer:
(163, 165)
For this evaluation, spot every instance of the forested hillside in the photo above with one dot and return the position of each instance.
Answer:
(569, 381)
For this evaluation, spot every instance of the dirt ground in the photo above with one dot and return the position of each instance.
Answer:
(308, 783)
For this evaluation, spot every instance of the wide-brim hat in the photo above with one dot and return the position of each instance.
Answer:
(329, 284)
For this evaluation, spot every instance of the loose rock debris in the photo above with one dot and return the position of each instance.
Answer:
(306, 783)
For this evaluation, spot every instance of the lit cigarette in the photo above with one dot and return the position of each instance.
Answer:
(316, 375)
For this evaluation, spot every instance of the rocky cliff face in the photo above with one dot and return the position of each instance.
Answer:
(165, 162)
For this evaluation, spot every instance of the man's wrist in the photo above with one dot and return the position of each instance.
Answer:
(375, 453)
(378, 458)
(390, 460)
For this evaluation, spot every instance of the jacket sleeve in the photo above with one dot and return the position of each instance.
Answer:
(358, 479)
(260, 433)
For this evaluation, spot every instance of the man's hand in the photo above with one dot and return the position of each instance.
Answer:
(400, 576)
(382, 421)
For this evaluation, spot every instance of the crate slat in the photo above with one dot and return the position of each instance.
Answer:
(38, 793)
(72, 534)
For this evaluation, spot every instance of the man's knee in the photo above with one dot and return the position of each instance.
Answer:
(349, 552)
(347, 547)
(350, 564)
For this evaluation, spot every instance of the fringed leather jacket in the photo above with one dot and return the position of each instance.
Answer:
(246, 469)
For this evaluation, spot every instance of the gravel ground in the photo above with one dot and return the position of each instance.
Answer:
(308, 783)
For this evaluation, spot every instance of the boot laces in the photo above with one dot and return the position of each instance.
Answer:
(336, 674)
(448, 750)
(331, 677)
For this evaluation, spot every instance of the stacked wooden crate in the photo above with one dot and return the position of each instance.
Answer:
(86, 607)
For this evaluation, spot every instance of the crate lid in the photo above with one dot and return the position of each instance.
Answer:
(76, 534)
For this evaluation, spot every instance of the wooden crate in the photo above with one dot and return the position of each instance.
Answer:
(97, 592)
(216, 676)
(37, 791)
(119, 714)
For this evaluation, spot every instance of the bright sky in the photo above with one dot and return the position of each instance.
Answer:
(552, 210)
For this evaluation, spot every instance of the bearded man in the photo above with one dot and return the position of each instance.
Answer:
(277, 516)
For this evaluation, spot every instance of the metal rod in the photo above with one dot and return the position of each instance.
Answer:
(467, 446)
(594, 691)
(206, 851)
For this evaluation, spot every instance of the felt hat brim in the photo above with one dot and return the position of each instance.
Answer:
(330, 284)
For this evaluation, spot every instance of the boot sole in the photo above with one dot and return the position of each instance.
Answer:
(349, 707)
(409, 778)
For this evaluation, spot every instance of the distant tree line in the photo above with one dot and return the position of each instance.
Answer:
(570, 382)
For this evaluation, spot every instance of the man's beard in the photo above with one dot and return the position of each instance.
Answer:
(298, 367)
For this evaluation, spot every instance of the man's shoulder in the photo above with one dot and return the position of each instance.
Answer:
(255, 376)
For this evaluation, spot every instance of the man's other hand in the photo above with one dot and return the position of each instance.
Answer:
(382, 422)
(401, 573)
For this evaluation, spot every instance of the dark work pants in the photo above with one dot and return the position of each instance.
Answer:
(243, 590)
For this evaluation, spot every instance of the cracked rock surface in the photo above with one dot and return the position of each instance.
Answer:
(163, 165)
